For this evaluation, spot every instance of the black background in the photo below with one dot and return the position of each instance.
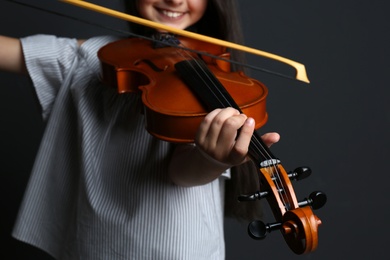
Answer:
(338, 124)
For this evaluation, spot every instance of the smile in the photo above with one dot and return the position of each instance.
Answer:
(171, 14)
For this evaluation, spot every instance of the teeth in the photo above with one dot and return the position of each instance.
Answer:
(171, 14)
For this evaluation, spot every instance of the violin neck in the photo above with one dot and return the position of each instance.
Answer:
(203, 83)
(212, 94)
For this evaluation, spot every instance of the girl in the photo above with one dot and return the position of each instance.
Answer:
(101, 186)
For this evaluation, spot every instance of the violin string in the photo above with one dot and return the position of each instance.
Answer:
(128, 33)
(257, 144)
(274, 173)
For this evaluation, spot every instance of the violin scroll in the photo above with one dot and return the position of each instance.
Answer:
(295, 220)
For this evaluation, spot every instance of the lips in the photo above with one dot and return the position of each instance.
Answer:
(171, 14)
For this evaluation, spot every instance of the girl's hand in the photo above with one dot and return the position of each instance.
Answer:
(219, 138)
(219, 146)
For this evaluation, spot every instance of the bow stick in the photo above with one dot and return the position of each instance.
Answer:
(299, 67)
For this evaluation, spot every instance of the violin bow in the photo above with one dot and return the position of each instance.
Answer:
(299, 67)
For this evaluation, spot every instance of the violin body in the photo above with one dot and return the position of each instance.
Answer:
(173, 113)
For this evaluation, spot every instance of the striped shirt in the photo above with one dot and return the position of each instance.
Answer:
(99, 187)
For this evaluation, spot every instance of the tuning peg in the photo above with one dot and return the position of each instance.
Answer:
(258, 230)
(255, 196)
(316, 200)
(299, 173)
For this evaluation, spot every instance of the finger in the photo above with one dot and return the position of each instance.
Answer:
(218, 124)
(270, 138)
(228, 132)
(204, 126)
(241, 146)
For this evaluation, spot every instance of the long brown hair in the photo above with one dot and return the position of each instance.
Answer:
(221, 20)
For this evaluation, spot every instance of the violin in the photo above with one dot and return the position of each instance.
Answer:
(179, 88)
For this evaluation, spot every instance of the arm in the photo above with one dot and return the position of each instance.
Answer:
(11, 55)
(217, 148)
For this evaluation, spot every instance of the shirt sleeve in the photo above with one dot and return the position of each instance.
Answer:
(51, 60)
(48, 60)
